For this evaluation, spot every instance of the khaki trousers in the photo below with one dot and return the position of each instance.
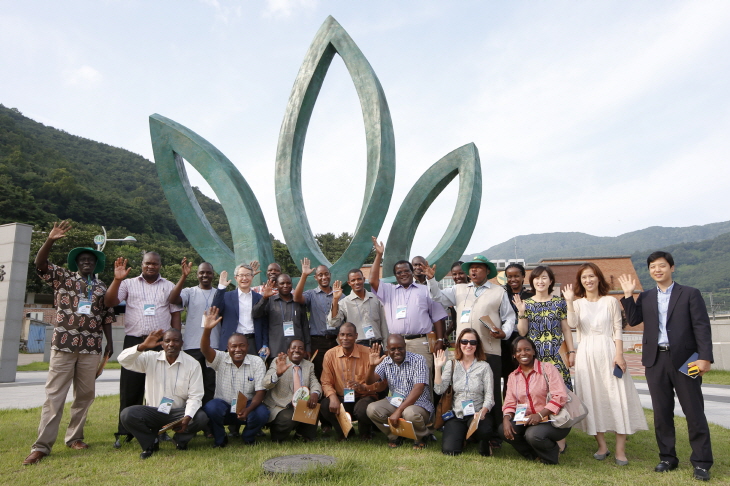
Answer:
(379, 412)
(64, 369)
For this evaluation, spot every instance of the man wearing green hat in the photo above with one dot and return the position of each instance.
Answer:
(484, 307)
(76, 345)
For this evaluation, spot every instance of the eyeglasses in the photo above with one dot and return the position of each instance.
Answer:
(473, 342)
(244, 275)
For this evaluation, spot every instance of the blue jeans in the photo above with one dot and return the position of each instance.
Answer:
(219, 414)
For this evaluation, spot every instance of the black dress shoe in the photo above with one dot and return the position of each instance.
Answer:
(148, 452)
(118, 441)
(702, 474)
(665, 466)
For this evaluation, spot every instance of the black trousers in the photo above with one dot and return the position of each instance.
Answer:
(495, 362)
(322, 344)
(455, 434)
(537, 441)
(663, 380)
(282, 425)
(508, 362)
(358, 411)
(145, 422)
(131, 385)
(208, 375)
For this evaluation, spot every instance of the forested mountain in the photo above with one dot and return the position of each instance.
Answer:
(551, 245)
(49, 175)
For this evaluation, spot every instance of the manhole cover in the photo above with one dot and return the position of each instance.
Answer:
(297, 463)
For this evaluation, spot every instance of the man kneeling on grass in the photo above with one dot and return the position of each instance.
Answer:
(173, 387)
(409, 397)
(236, 372)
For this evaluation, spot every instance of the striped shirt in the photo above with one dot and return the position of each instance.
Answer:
(401, 378)
(138, 294)
(230, 379)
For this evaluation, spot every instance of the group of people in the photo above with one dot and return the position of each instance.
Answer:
(253, 356)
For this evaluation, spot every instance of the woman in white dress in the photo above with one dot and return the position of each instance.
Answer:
(613, 403)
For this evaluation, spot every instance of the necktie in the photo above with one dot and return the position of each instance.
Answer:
(297, 379)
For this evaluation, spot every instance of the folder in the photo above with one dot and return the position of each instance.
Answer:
(304, 414)
(404, 429)
(345, 420)
(689, 367)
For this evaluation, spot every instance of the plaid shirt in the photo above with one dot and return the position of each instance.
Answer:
(401, 378)
(137, 292)
(230, 379)
(74, 332)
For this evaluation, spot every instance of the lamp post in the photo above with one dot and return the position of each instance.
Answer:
(101, 240)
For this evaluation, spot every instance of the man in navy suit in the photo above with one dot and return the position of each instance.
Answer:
(676, 325)
(235, 306)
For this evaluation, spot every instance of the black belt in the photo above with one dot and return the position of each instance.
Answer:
(413, 336)
(330, 337)
(250, 336)
(663, 347)
(369, 342)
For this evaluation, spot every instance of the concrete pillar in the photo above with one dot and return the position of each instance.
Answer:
(14, 256)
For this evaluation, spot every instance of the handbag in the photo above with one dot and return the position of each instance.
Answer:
(571, 413)
(446, 401)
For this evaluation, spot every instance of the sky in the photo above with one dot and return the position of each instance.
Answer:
(596, 117)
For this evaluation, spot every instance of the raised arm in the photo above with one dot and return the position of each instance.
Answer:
(212, 319)
(120, 273)
(522, 323)
(375, 269)
(174, 297)
(58, 231)
(299, 291)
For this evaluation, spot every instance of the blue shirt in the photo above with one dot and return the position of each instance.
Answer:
(663, 304)
(319, 305)
(401, 378)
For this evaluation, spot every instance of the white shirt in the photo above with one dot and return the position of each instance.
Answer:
(245, 320)
(182, 380)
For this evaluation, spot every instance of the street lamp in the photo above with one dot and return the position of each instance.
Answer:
(101, 240)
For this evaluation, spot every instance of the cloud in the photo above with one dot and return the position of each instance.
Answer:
(286, 8)
(85, 76)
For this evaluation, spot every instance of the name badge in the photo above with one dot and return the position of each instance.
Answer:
(396, 399)
(465, 315)
(349, 395)
(467, 406)
(400, 312)
(369, 333)
(233, 405)
(165, 405)
(85, 307)
(520, 412)
(149, 309)
(288, 328)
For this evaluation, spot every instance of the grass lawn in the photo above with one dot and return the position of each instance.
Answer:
(712, 377)
(43, 366)
(357, 463)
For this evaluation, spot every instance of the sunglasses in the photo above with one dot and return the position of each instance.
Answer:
(473, 342)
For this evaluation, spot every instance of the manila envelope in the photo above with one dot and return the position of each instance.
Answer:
(404, 429)
(474, 425)
(304, 414)
(241, 402)
(345, 420)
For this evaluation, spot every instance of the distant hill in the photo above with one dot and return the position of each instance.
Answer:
(701, 264)
(550, 245)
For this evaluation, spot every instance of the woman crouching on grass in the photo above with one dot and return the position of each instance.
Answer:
(527, 400)
(472, 380)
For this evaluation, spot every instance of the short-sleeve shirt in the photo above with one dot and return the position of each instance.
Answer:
(401, 378)
(319, 304)
(421, 311)
(74, 332)
(138, 293)
(197, 301)
(230, 379)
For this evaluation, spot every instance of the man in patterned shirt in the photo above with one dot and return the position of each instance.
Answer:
(409, 397)
(236, 372)
(80, 319)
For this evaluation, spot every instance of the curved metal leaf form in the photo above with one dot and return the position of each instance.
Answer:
(332, 39)
(171, 143)
(463, 161)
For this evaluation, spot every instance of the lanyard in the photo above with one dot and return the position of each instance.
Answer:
(283, 314)
(476, 297)
(144, 292)
(467, 373)
(233, 379)
(359, 311)
(164, 380)
(206, 298)
(89, 288)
